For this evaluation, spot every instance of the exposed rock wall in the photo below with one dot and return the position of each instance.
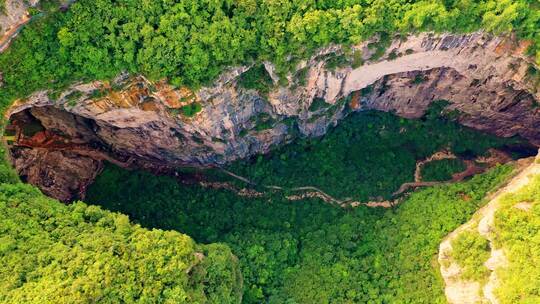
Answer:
(485, 79)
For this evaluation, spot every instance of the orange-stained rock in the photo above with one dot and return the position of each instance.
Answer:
(149, 106)
(168, 95)
(355, 101)
(523, 47)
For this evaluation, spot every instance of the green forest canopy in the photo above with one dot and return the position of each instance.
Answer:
(307, 251)
(369, 154)
(191, 41)
(55, 253)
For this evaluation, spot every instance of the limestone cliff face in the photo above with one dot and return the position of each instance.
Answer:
(486, 80)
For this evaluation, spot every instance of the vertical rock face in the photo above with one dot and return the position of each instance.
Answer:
(487, 80)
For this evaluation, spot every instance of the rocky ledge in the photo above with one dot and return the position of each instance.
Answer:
(59, 141)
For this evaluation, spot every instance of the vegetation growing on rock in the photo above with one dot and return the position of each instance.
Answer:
(256, 78)
(191, 109)
(517, 228)
(190, 42)
(471, 250)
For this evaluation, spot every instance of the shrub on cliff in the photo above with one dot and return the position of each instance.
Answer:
(471, 250)
(517, 233)
(54, 253)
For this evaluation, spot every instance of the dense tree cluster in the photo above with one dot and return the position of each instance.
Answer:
(55, 253)
(442, 170)
(370, 154)
(308, 251)
(7, 173)
(191, 41)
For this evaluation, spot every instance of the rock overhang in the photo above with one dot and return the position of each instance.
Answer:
(483, 77)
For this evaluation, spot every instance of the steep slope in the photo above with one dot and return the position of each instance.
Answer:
(480, 260)
(51, 252)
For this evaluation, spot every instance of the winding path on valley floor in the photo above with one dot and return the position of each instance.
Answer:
(472, 168)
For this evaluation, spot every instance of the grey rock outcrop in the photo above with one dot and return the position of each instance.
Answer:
(486, 79)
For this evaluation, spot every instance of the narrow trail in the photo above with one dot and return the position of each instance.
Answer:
(319, 193)
(444, 154)
(472, 168)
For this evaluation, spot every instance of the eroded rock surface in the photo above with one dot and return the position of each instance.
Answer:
(484, 78)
